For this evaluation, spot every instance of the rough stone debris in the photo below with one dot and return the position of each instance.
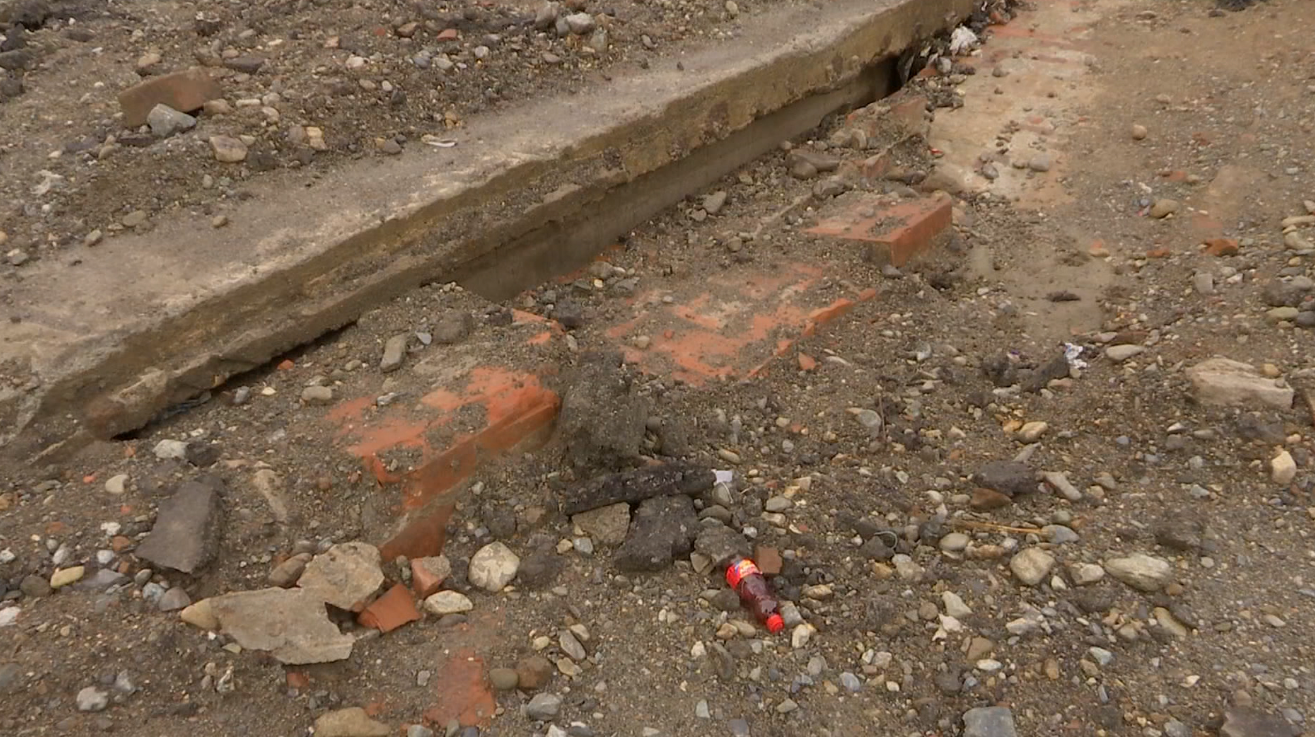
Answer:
(603, 418)
(1248, 722)
(291, 624)
(186, 532)
(1223, 381)
(350, 722)
(606, 525)
(638, 485)
(989, 721)
(721, 544)
(184, 91)
(1007, 477)
(347, 575)
(493, 567)
(663, 529)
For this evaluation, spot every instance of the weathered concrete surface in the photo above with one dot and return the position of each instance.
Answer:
(106, 337)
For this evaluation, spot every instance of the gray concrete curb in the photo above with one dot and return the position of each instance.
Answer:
(144, 321)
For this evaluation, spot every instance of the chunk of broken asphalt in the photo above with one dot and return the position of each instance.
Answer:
(186, 532)
(635, 486)
(663, 529)
(603, 417)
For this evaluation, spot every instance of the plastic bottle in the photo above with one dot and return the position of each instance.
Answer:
(747, 581)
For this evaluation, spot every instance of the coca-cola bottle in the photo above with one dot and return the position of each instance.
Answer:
(756, 595)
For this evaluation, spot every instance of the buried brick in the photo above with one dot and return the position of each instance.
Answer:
(897, 232)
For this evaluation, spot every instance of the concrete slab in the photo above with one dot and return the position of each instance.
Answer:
(105, 338)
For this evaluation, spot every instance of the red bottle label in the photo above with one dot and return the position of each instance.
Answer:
(739, 570)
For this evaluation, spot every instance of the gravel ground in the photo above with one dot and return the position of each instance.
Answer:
(301, 84)
(997, 511)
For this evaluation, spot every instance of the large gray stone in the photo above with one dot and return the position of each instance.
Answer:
(663, 528)
(186, 532)
(989, 721)
(290, 624)
(1223, 381)
(1246, 722)
(1140, 571)
(1007, 477)
(493, 566)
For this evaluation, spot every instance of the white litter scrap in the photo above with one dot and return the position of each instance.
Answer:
(962, 40)
(723, 477)
(1072, 353)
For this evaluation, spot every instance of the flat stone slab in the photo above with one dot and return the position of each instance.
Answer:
(186, 532)
(290, 624)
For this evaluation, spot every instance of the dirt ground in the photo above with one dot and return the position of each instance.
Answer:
(372, 75)
(861, 454)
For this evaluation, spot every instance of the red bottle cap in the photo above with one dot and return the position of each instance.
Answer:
(775, 624)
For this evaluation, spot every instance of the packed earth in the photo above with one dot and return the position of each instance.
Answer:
(1050, 476)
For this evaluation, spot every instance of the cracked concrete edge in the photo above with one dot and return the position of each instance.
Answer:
(149, 320)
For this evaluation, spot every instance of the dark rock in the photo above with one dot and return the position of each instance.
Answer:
(950, 681)
(1000, 370)
(875, 549)
(663, 528)
(186, 532)
(1247, 722)
(1179, 532)
(1007, 477)
(721, 544)
(1094, 600)
(34, 586)
(245, 64)
(533, 673)
(1281, 293)
(1056, 368)
(500, 521)
(603, 417)
(11, 678)
(203, 455)
(673, 438)
(538, 570)
(726, 600)
(989, 721)
(635, 486)
(15, 39)
(453, 327)
(18, 60)
(30, 14)
(569, 314)
(10, 87)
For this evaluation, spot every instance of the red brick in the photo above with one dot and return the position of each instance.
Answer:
(904, 229)
(185, 91)
(428, 574)
(390, 611)
(1221, 247)
(768, 560)
(807, 362)
(463, 692)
